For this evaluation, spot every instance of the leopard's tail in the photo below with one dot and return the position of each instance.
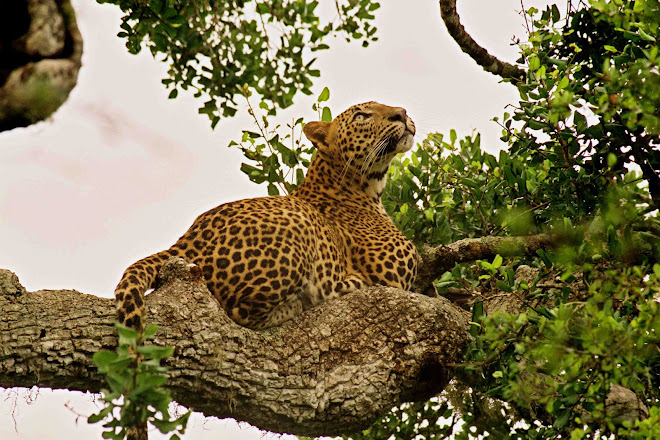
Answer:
(137, 279)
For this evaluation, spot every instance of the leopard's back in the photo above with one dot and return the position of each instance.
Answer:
(260, 254)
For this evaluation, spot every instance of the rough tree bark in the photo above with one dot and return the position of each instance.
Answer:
(334, 370)
(40, 51)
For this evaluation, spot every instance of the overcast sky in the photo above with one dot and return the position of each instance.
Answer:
(120, 171)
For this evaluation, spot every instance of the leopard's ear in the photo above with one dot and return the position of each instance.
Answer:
(317, 132)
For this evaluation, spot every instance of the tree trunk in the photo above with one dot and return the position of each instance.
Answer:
(333, 370)
(40, 51)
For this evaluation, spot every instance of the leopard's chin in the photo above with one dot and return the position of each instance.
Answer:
(404, 143)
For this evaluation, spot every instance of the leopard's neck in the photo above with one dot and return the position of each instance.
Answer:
(327, 183)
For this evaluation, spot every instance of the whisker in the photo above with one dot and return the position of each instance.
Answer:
(344, 170)
(371, 157)
(369, 161)
(372, 154)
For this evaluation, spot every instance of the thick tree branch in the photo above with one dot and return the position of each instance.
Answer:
(333, 370)
(438, 260)
(467, 44)
(40, 52)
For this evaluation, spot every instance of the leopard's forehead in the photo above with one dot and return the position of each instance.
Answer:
(366, 105)
(370, 105)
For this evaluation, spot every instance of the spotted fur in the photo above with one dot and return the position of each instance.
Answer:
(268, 259)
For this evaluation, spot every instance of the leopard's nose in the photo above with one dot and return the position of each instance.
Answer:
(399, 115)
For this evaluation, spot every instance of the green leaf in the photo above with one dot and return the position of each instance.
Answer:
(477, 315)
(114, 436)
(503, 286)
(656, 270)
(562, 420)
(534, 63)
(262, 8)
(173, 94)
(104, 358)
(580, 121)
(326, 116)
(646, 36)
(149, 331)
(555, 13)
(536, 125)
(544, 311)
(95, 418)
(544, 257)
(166, 426)
(570, 400)
(147, 381)
(325, 95)
(127, 335)
(177, 21)
(118, 384)
(214, 122)
(155, 352)
(611, 160)
(497, 262)
(272, 190)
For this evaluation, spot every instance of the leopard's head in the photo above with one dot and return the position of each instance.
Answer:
(362, 141)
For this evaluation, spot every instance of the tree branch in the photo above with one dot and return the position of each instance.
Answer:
(333, 370)
(467, 44)
(438, 260)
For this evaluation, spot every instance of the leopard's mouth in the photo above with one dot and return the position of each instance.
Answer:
(399, 144)
(391, 145)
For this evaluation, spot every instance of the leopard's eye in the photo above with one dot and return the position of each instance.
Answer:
(360, 117)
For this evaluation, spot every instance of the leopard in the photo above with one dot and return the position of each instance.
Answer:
(268, 259)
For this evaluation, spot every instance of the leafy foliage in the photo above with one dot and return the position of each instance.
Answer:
(556, 362)
(444, 192)
(277, 156)
(217, 47)
(590, 103)
(134, 372)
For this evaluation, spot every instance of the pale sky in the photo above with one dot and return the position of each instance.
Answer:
(120, 171)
